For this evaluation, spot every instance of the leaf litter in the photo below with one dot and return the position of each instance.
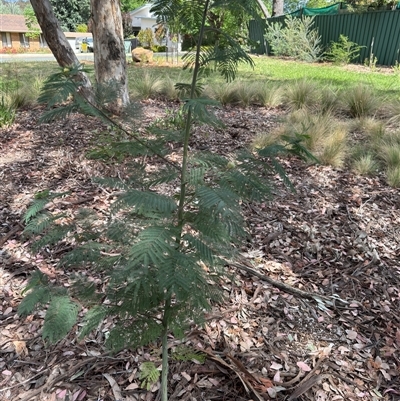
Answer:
(336, 237)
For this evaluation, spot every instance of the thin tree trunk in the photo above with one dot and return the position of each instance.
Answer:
(57, 41)
(263, 8)
(277, 8)
(109, 49)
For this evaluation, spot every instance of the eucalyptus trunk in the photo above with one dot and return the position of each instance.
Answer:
(264, 9)
(109, 49)
(277, 7)
(57, 41)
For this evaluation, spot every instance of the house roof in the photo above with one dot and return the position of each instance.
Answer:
(137, 11)
(74, 35)
(12, 23)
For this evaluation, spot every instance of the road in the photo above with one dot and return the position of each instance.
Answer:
(32, 57)
(23, 57)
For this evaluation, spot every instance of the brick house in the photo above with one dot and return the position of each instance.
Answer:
(13, 32)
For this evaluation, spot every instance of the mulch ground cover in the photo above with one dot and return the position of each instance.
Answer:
(330, 331)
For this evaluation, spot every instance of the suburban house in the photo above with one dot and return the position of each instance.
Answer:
(142, 18)
(14, 31)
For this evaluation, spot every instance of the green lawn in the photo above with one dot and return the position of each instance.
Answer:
(341, 77)
(386, 83)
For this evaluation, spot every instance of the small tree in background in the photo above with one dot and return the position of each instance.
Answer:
(146, 38)
(70, 13)
(160, 33)
(127, 25)
(81, 28)
(343, 51)
(296, 38)
(31, 22)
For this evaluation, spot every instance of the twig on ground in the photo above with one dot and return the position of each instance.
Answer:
(12, 232)
(320, 299)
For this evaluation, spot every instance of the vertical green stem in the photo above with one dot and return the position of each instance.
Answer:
(189, 118)
(164, 366)
(181, 205)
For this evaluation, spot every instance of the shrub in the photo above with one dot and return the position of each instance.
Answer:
(159, 48)
(365, 165)
(322, 135)
(328, 101)
(316, 128)
(8, 50)
(224, 93)
(393, 176)
(390, 154)
(19, 98)
(265, 139)
(81, 28)
(7, 114)
(360, 101)
(394, 112)
(343, 51)
(146, 38)
(334, 148)
(269, 95)
(245, 94)
(147, 86)
(302, 94)
(374, 129)
(168, 89)
(297, 39)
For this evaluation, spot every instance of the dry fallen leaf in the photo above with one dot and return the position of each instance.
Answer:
(186, 376)
(20, 347)
(351, 335)
(132, 386)
(276, 366)
(303, 366)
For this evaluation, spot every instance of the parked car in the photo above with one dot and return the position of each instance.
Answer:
(78, 42)
(87, 45)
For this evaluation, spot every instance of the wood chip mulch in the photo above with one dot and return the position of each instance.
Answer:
(337, 237)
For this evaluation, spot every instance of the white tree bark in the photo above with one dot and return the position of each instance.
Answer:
(277, 8)
(56, 39)
(263, 8)
(109, 50)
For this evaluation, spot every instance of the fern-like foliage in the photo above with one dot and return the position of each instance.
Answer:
(182, 15)
(225, 57)
(145, 202)
(161, 257)
(61, 311)
(184, 353)
(200, 109)
(149, 374)
(60, 317)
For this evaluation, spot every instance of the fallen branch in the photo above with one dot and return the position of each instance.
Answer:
(12, 232)
(320, 299)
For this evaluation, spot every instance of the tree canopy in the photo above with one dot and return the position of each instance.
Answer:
(71, 13)
(12, 6)
(129, 5)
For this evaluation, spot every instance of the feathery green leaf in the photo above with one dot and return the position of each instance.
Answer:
(143, 202)
(60, 317)
(92, 320)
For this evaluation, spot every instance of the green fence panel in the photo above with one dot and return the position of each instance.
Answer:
(256, 35)
(380, 28)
